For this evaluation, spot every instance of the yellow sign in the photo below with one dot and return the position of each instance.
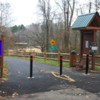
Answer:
(52, 42)
(65, 77)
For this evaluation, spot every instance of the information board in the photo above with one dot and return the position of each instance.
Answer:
(87, 44)
(93, 47)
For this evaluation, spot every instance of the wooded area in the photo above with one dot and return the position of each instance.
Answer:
(54, 23)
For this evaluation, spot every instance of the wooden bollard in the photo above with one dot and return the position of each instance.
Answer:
(58, 57)
(44, 55)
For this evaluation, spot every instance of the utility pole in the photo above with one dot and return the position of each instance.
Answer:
(96, 4)
(89, 7)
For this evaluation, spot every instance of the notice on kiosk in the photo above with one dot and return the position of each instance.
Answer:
(87, 44)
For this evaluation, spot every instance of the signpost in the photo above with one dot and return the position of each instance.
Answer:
(52, 46)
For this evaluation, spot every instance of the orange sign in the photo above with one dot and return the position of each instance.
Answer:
(52, 42)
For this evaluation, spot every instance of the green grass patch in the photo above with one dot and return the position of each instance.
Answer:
(97, 67)
(65, 64)
(5, 70)
(5, 65)
(4, 75)
(51, 62)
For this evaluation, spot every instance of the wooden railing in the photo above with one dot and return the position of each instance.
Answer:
(45, 55)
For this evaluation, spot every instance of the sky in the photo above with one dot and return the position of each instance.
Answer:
(24, 11)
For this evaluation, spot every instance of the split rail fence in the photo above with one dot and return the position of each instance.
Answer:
(47, 55)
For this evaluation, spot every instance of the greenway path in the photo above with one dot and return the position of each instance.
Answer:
(47, 82)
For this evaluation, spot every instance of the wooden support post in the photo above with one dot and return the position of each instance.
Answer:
(93, 57)
(44, 55)
(2, 39)
(17, 52)
(81, 55)
(79, 58)
(24, 53)
(7, 52)
(33, 54)
(58, 57)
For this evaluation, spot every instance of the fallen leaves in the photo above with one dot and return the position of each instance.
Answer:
(1, 97)
(61, 82)
(19, 86)
(93, 77)
(73, 97)
(14, 94)
(2, 81)
(87, 96)
(3, 92)
(51, 90)
(72, 89)
(88, 83)
(39, 70)
(61, 92)
(39, 97)
(18, 71)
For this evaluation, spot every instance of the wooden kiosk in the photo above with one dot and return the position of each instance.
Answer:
(88, 24)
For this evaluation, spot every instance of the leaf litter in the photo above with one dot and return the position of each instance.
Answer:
(14, 94)
(39, 70)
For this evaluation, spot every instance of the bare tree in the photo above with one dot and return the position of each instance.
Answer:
(5, 20)
(68, 11)
(36, 35)
(44, 6)
(5, 14)
(90, 7)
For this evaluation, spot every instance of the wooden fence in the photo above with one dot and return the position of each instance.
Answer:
(45, 55)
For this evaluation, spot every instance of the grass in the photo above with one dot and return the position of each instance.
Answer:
(5, 65)
(4, 75)
(65, 64)
(42, 61)
(5, 70)
(97, 67)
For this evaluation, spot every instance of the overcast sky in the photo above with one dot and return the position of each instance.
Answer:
(24, 11)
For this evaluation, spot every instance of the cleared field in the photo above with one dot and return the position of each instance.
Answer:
(27, 50)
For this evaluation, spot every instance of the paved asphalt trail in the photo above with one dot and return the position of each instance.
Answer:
(44, 81)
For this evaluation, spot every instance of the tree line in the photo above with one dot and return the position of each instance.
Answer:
(54, 23)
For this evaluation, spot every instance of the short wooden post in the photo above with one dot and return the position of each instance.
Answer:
(58, 57)
(24, 53)
(79, 58)
(44, 55)
(33, 54)
(7, 52)
(2, 46)
(17, 52)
